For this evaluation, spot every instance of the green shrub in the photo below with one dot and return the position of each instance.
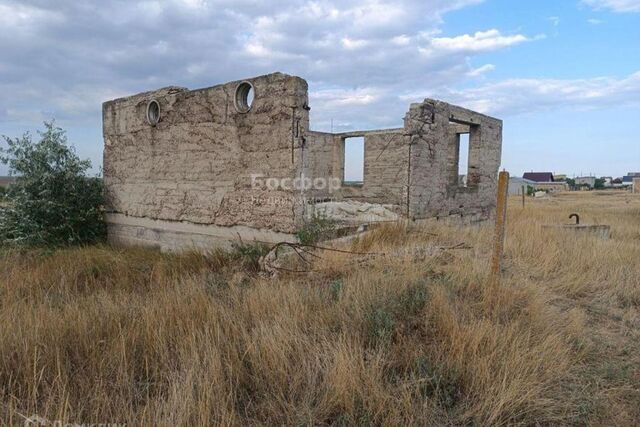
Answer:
(316, 229)
(398, 311)
(336, 289)
(53, 202)
(249, 254)
(381, 324)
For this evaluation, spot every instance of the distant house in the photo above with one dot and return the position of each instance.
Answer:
(617, 183)
(560, 177)
(552, 187)
(627, 180)
(589, 181)
(516, 184)
(538, 176)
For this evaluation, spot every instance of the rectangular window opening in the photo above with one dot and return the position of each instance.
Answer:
(354, 161)
(463, 159)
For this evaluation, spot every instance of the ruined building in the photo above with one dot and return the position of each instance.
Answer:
(201, 168)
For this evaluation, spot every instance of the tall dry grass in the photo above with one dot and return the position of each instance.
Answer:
(413, 337)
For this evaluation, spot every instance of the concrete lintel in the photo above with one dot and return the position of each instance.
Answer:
(459, 128)
(357, 133)
(464, 116)
(460, 114)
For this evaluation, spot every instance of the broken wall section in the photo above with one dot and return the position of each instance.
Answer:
(383, 192)
(435, 189)
(411, 172)
(196, 164)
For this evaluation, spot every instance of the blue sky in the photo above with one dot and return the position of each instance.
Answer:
(564, 76)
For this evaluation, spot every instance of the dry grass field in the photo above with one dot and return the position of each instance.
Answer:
(410, 337)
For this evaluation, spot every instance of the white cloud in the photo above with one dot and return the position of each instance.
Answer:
(195, 4)
(352, 44)
(479, 42)
(401, 40)
(356, 108)
(338, 97)
(517, 96)
(615, 5)
(23, 17)
(476, 72)
(594, 21)
(127, 47)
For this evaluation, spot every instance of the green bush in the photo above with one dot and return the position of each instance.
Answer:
(249, 254)
(316, 229)
(53, 202)
(381, 324)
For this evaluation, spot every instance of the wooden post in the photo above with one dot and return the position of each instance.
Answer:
(523, 196)
(498, 237)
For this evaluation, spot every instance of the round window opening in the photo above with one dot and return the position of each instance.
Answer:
(153, 112)
(244, 97)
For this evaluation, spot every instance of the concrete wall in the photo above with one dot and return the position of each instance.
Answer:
(434, 190)
(516, 184)
(553, 187)
(319, 155)
(586, 180)
(207, 173)
(195, 165)
(386, 167)
(415, 169)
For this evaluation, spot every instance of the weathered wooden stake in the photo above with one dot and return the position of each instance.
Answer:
(523, 195)
(498, 237)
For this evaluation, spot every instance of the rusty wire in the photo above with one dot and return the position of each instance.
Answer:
(302, 249)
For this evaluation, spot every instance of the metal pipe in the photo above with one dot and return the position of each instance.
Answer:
(576, 216)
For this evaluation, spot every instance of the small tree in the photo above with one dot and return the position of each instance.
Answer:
(599, 184)
(53, 202)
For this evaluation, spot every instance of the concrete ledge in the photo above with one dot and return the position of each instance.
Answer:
(601, 231)
(175, 236)
(355, 212)
(455, 219)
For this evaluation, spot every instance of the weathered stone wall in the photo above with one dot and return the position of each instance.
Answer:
(196, 164)
(319, 153)
(415, 168)
(207, 173)
(434, 190)
(385, 165)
